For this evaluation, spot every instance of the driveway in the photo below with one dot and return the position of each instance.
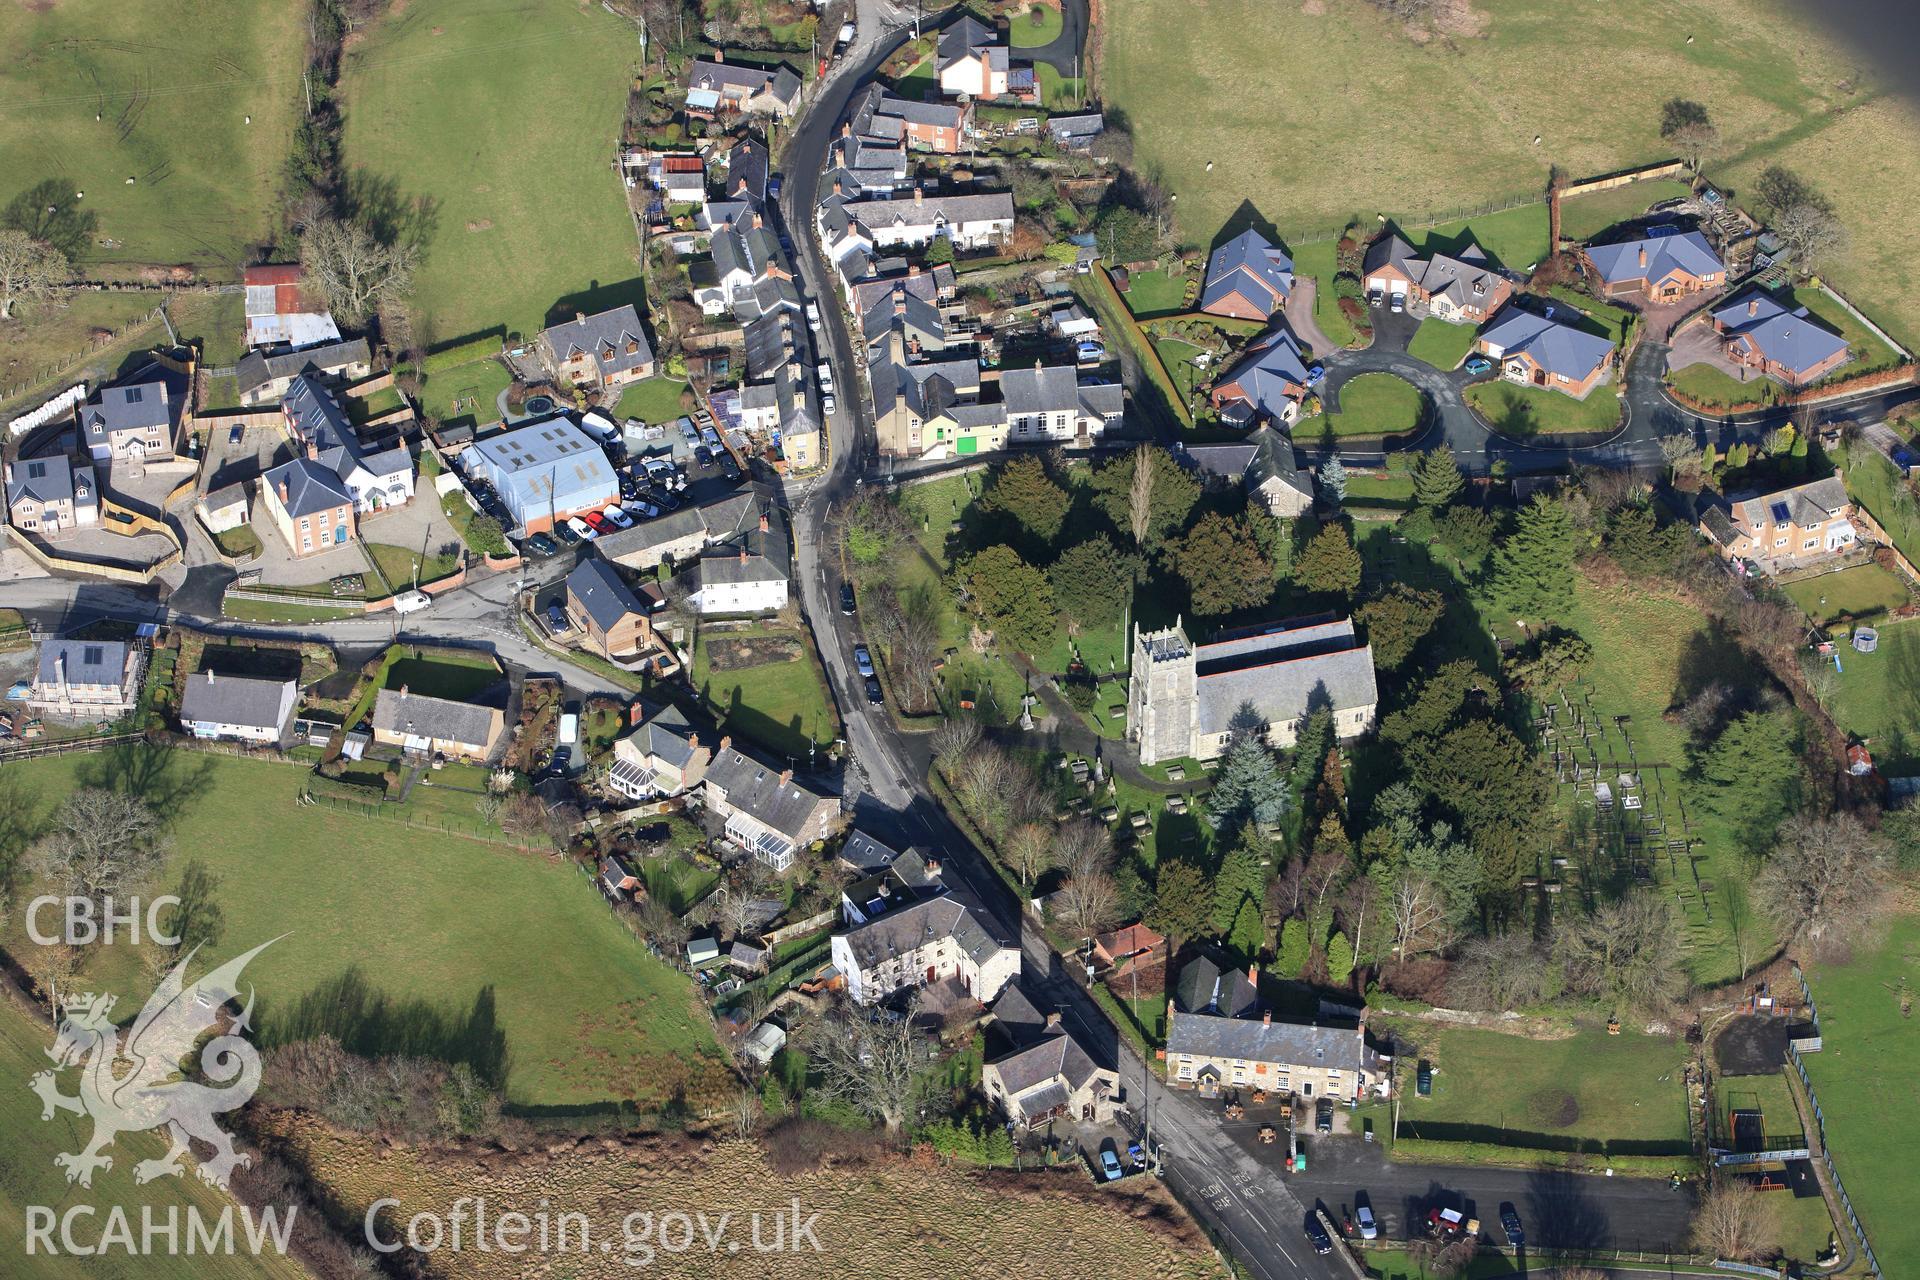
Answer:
(1066, 47)
(1300, 318)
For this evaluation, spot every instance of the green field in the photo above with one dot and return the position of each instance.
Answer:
(1860, 592)
(1586, 216)
(783, 706)
(461, 101)
(1038, 25)
(1523, 412)
(1440, 344)
(1715, 387)
(1589, 1085)
(1867, 1088)
(28, 1176)
(94, 93)
(652, 400)
(467, 394)
(589, 1016)
(1373, 404)
(46, 336)
(1058, 92)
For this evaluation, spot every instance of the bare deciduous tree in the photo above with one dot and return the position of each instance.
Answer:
(1633, 951)
(51, 967)
(954, 741)
(1505, 971)
(1822, 884)
(100, 842)
(1417, 909)
(1735, 1222)
(29, 268)
(1089, 898)
(1810, 232)
(865, 1058)
(1029, 848)
(1681, 452)
(356, 271)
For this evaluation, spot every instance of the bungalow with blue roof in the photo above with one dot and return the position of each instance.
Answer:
(1787, 345)
(1657, 268)
(1545, 349)
(1268, 381)
(1247, 278)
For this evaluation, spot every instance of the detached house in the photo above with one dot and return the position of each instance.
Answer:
(129, 422)
(1247, 278)
(604, 351)
(1787, 345)
(925, 941)
(716, 85)
(608, 614)
(374, 479)
(1462, 289)
(1264, 465)
(1046, 1073)
(310, 505)
(1050, 405)
(663, 756)
(1546, 349)
(764, 810)
(1657, 268)
(1267, 382)
(85, 679)
(1786, 529)
(264, 377)
(237, 708)
(420, 725)
(51, 495)
(972, 61)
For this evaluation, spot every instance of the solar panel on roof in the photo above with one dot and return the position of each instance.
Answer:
(1780, 513)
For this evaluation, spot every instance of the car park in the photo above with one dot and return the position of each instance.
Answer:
(581, 529)
(1110, 1165)
(568, 535)
(619, 517)
(1510, 1223)
(862, 660)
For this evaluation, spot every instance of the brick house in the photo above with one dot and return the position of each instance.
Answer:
(605, 351)
(1546, 349)
(310, 506)
(1786, 344)
(663, 756)
(1657, 268)
(1786, 529)
(612, 619)
(1461, 289)
(1247, 278)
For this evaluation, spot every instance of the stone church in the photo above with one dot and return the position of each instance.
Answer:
(1183, 697)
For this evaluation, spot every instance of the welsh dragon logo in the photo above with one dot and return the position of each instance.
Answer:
(131, 1081)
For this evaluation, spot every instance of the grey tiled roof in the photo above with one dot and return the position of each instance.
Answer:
(1046, 389)
(51, 479)
(310, 487)
(439, 718)
(1204, 985)
(88, 661)
(1289, 1043)
(236, 700)
(756, 790)
(1271, 372)
(125, 408)
(601, 593)
(1688, 252)
(257, 368)
(913, 926)
(1807, 505)
(1284, 673)
(905, 211)
(613, 330)
(1250, 266)
(1792, 338)
(1549, 337)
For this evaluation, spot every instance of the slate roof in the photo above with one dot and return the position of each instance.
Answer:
(1468, 280)
(667, 735)
(756, 790)
(1033, 1076)
(310, 487)
(257, 368)
(1284, 671)
(913, 926)
(601, 593)
(1807, 505)
(865, 853)
(1075, 129)
(1271, 372)
(1020, 1020)
(605, 336)
(747, 170)
(1274, 460)
(237, 700)
(132, 407)
(1227, 461)
(56, 478)
(1251, 267)
(1290, 1043)
(316, 416)
(439, 718)
(1043, 389)
(1689, 252)
(780, 83)
(88, 661)
(964, 36)
(905, 211)
(1549, 338)
(1793, 339)
(1391, 250)
(1204, 986)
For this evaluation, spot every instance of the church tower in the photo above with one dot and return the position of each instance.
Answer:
(1162, 700)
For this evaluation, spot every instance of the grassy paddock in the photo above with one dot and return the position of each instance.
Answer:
(782, 705)
(651, 400)
(457, 101)
(1586, 216)
(589, 1016)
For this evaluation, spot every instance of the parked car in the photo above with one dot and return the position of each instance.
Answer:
(773, 186)
(702, 455)
(813, 316)
(1478, 365)
(1323, 1116)
(827, 405)
(1363, 1218)
(846, 598)
(646, 510)
(862, 660)
(1375, 297)
(597, 522)
(825, 374)
(567, 534)
(1315, 372)
(557, 618)
(1399, 303)
(237, 434)
(1510, 1223)
(1318, 1236)
(581, 529)
(1110, 1165)
(620, 519)
(541, 545)
(873, 691)
(1090, 352)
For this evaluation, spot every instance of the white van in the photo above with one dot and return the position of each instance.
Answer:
(569, 729)
(411, 602)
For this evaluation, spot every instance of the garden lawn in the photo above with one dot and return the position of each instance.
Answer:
(1275, 94)
(1869, 352)
(275, 611)
(400, 564)
(1715, 387)
(1516, 238)
(1373, 404)
(455, 100)
(784, 706)
(1877, 696)
(1871, 481)
(1178, 356)
(1602, 318)
(1867, 1087)
(1058, 92)
(467, 394)
(1585, 216)
(240, 540)
(1155, 293)
(29, 1177)
(1034, 28)
(651, 400)
(444, 675)
(1391, 491)
(95, 92)
(1861, 592)
(589, 1015)
(1524, 412)
(1440, 344)
(1590, 1085)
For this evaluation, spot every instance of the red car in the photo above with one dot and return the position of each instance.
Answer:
(597, 522)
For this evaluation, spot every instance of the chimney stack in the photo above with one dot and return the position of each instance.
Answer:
(786, 776)
(635, 714)
(913, 271)
(743, 555)
(1253, 975)
(1753, 305)
(283, 493)
(210, 676)
(1643, 257)
(579, 317)
(763, 523)
(403, 691)
(1266, 1018)
(726, 741)
(1053, 1020)
(919, 194)
(719, 55)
